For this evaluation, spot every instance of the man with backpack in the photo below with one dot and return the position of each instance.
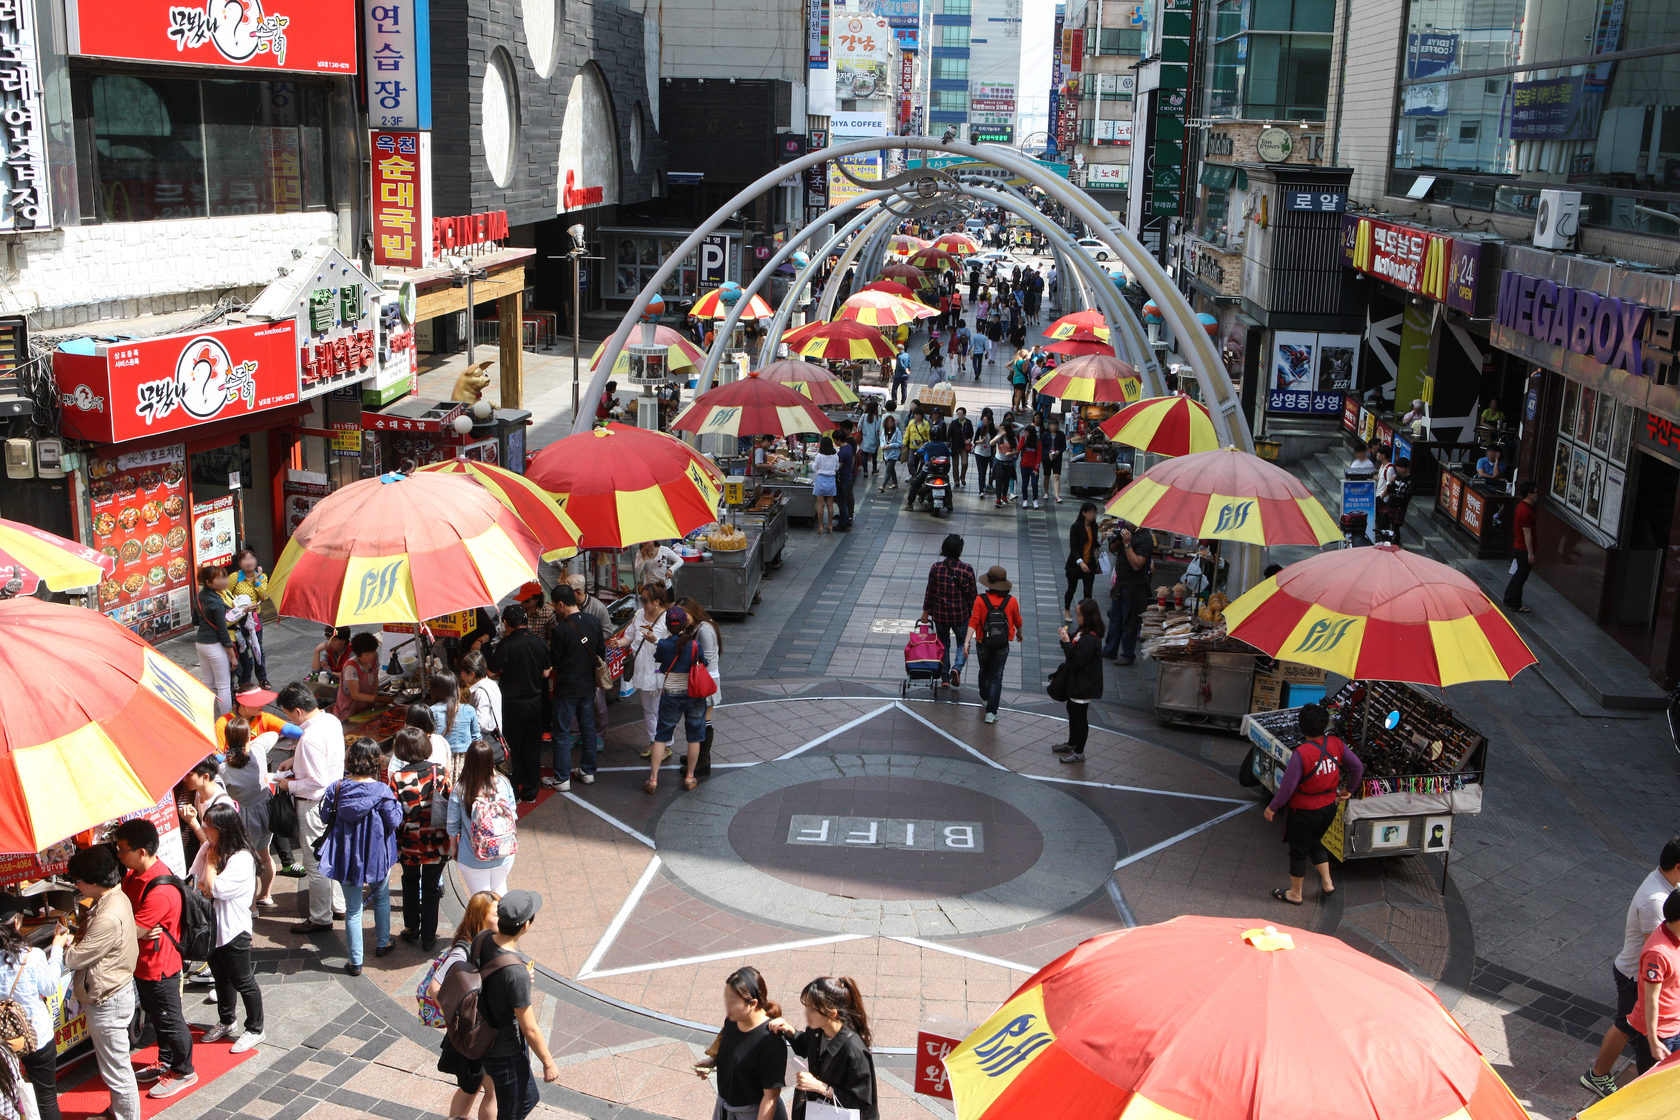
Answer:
(995, 623)
(486, 1006)
(158, 900)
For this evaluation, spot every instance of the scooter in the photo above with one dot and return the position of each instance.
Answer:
(936, 487)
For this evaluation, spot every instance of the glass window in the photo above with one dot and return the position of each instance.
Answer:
(637, 258)
(950, 69)
(953, 34)
(957, 7)
(157, 148)
(1215, 223)
(1288, 77)
(1293, 15)
(950, 101)
(1120, 40)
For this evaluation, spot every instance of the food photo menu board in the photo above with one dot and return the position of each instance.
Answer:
(140, 520)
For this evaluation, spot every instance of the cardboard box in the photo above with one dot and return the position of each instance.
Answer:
(1268, 693)
(1299, 674)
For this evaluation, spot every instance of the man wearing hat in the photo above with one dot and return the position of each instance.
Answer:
(505, 1001)
(539, 616)
(995, 622)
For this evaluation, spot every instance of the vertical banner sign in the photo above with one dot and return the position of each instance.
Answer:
(402, 204)
(397, 62)
(1076, 54)
(906, 87)
(1172, 102)
(1056, 146)
(816, 34)
(26, 193)
(861, 47)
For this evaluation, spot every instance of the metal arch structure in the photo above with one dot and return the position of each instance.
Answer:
(1215, 384)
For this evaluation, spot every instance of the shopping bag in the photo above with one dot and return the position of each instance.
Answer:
(1513, 568)
(823, 1110)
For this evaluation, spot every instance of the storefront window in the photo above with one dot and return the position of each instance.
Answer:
(1216, 210)
(153, 148)
(637, 258)
(1486, 107)
(1590, 457)
(950, 100)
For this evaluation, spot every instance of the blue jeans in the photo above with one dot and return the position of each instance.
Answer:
(1029, 485)
(991, 675)
(688, 711)
(574, 714)
(516, 1085)
(381, 900)
(953, 635)
(977, 359)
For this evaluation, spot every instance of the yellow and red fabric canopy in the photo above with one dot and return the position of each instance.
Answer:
(712, 306)
(1095, 378)
(1279, 1024)
(959, 243)
(752, 406)
(904, 244)
(1228, 495)
(536, 507)
(811, 380)
(843, 340)
(402, 548)
(907, 274)
(1163, 425)
(932, 258)
(1650, 1096)
(1080, 346)
(34, 556)
(625, 485)
(891, 287)
(1086, 324)
(96, 724)
(1380, 613)
(681, 354)
(882, 309)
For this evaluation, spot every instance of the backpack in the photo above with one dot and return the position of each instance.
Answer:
(461, 1004)
(198, 919)
(494, 829)
(431, 1013)
(994, 631)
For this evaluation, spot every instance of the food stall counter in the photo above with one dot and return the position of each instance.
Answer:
(725, 581)
(1477, 512)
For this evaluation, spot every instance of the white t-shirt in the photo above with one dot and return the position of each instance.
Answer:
(487, 698)
(231, 896)
(1643, 917)
(825, 464)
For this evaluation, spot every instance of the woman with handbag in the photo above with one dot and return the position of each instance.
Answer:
(688, 683)
(840, 1083)
(749, 1058)
(711, 650)
(244, 774)
(486, 697)
(30, 978)
(1084, 677)
(422, 789)
(641, 638)
(359, 846)
(226, 873)
(1082, 561)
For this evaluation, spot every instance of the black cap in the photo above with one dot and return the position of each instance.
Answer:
(518, 907)
(11, 906)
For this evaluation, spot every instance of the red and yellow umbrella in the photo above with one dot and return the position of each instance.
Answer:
(34, 556)
(840, 341)
(907, 274)
(891, 287)
(752, 406)
(879, 309)
(904, 244)
(1079, 347)
(537, 508)
(959, 243)
(713, 306)
(1111, 1030)
(1227, 495)
(681, 354)
(932, 258)
(1650, 1096)
(1164, 425)
(810, 380)
(1380, 613)
(402, 548)
(1089, 325)
(626, 485)
(97, 723)
(1096, 379)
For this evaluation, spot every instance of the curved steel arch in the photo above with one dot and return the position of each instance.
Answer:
(1216, 388)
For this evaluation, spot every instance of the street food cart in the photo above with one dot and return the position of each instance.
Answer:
(1423, 767)
(1095, 464)
(725, 563)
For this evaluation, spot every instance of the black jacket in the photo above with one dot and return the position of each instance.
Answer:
(520, 659)
(574, 646)
(1084, 658)
(843, 1064)
(1082, 540)
(211, 617)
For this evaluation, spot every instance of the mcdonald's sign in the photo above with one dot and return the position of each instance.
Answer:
(1444, 268)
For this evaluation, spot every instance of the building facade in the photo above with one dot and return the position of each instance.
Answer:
(973, 60)
(1107, 41)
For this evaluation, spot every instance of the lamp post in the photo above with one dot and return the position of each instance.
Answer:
(577, 252)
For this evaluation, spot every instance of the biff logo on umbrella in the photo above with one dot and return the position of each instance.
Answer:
(1232, 516)
(378, 586)
(1012, 1044)
(1323, 635)
(160, 676)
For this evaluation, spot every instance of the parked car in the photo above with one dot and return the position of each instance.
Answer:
(1098, 249)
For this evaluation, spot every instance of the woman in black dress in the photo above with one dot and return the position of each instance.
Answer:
(750, 1059)
(1082, 556)
(835, 1044)
(1083, 650)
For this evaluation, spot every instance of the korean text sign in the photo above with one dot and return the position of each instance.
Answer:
(168, 384)
(402, 203)
(306, 36)
(27, 201)
(397, 60)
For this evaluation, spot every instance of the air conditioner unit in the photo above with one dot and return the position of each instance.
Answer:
(1557, 220)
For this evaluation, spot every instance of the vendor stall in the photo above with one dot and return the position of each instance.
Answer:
(1095, 465)
(1423, 767)
(1477, 510)
(725, 578)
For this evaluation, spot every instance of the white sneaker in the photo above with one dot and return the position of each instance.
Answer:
(554, 783)
(587, 779)
(991, 717)
(250, 1040)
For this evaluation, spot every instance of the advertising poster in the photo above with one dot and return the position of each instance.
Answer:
(301, 494)
(1577, 479)
(1560, 473)
(861, 46)
(1584, 416)
(1338, 362)
(1615, 482)
(1429, 55)
(1293, 367)
(213, 532)
(139, 518)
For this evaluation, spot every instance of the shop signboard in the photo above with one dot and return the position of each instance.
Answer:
(1554, 109)
(1446, 269)
(1001, 93)
(332, 302)
(933, 1045)
(816, 34)
(1452, 494)
(213, 532)
(397, 359)
(1350, 413)
(1360, 497)
(305, 36)
(456, 625)
(861, 46)
(1475, 507)
(26, 203)
(402, 198)
(300, 492)
(991, 134)
(906, 85)
(138, 517)
(1112, 132)
(127, 390)
(397, 59)
(1429, 54)
(1107, 175)
(469, 233)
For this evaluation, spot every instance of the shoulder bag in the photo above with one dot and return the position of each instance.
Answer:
(700, 681)
(1057, 689)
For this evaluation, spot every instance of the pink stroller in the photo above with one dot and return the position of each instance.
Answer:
(924, 656)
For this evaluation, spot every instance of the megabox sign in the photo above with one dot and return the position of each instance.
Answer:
(158, 385)
(306, 36)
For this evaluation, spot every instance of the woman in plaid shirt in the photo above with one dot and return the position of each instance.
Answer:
(949, 598)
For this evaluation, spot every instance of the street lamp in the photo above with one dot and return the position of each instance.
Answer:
(465, 274)
(577, 253)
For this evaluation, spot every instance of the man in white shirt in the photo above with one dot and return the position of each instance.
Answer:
(318, 763)
(1645, 914)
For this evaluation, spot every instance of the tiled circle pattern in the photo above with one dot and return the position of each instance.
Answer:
(1076, 848)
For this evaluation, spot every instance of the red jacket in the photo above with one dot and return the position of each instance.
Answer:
(162, 907)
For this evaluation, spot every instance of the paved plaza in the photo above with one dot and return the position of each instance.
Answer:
(849, 830)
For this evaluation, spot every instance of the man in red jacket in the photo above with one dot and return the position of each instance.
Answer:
(157, 973)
